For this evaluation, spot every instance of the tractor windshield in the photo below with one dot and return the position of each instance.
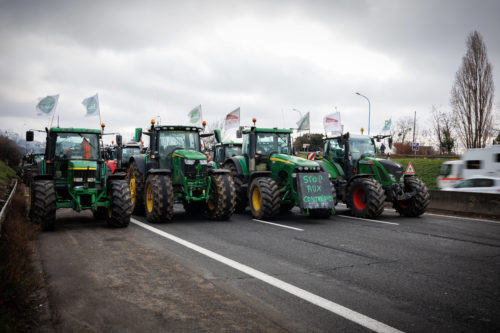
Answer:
(232, 151)
(77, 146)
(128, 152)
(169, 140)
(361, 146)
(273, 143)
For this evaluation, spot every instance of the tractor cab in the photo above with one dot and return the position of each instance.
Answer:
(268, 142)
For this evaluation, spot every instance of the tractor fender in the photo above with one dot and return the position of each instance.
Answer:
(257, 174)
(140, 161)
(214, 171)
(159, 171)
(366, 175)
(236, 164)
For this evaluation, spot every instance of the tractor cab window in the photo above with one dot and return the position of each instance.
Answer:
(273, 143)
(361, 147)
(232, 151)
(170, 140)
(77, 146)
(336, 151)
(128, 152)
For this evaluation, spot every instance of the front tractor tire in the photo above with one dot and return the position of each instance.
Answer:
(222, 201)
(365, 198)
(43, 204)
(241, 195)
(121, 205)
(264, 198)
(159, 198)
(136, 183)
(416, 205)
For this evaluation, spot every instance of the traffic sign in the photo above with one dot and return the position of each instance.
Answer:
(415, 146)
(409, 169)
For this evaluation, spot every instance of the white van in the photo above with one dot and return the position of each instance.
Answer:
(474, 162)
(450, 173)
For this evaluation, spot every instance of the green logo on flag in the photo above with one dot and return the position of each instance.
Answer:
(195, 115)
(92, 105)
(47, 104)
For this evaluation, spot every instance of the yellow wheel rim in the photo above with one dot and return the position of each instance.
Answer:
(211, 204)
(110, 212)
(132, 188)
(256, 199)
(149, 198)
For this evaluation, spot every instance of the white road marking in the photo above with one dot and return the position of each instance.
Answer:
(463, 218)
(368, 220)
(278, 225)
(338, 309)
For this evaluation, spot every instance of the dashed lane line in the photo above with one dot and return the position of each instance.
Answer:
(278, 225)
(328, 305)
(368, 220)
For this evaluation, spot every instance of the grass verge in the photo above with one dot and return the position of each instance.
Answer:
(6, 173)
(19, 281)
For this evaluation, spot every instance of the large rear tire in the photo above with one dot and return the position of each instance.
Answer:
(159, 198)
(43, 203)
(241, 195)
(222, 201)
(365, 198)
(264, 198)
(416, 205)
(136, 183)
(121, 205)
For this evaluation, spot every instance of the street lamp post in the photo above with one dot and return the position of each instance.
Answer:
(369, 110)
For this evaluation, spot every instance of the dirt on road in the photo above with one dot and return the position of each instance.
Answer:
(100, 279)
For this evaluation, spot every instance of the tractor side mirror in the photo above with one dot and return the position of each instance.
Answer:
(30, 136)
(118, 140)
(239, 134)
(138, 134)
(218, 136)
(390, 142)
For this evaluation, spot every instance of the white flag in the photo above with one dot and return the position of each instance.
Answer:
(47, 105)
(233, 119)
(331, 122)
(92, 106)
(195, 115)
(303, 123)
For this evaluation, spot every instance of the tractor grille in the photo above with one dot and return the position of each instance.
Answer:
(190, 171)
(392, 168)
(85, 176)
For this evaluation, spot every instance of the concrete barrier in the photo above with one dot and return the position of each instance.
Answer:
(485, 204)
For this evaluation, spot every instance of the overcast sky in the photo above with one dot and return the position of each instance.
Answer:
(149, 58)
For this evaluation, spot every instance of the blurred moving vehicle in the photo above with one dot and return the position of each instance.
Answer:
(450, 173)
(480, 184)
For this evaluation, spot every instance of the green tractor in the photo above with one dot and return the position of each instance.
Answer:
(174, 169)
(364, 183)
(73, 175)
(271, 180)
(222, 151)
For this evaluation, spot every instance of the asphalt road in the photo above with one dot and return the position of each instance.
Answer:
(427, 274)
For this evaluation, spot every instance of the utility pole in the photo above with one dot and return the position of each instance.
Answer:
(414, 123)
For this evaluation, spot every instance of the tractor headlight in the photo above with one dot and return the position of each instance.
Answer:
(203, 162)
(306, 168)
(189, 162)
(78, 180)
(91, 180)
(300, 168)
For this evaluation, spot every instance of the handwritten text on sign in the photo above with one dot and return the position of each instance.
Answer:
(315, 191)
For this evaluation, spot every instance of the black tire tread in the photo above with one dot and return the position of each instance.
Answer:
(138, 205)
(163, 198)
(270, 203)
(241, 195)
(44, 204)
(375, 198)
(121, 205)
(418, 204)
(224, 196)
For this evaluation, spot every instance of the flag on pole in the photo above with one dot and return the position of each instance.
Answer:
(303, 123)
(331, 122)
(233, 119)
(47, 105)
(387, 126)
(195, 115)
(92, 106)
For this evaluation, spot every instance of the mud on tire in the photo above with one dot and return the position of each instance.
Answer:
(365, 197)
(416, 205)
(222, 201)
(121, 206)
(136, 183)
(241, 195)
(43, 204)
(159, 198)
(264, 198)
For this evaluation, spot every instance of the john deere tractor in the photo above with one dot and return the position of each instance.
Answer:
(174, 169)
(73, 175)
(365, 182)
(270, 179)
(224, 150)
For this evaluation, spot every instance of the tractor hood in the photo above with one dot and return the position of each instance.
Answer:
(392, 167)
(81, 164)
(189, 155)
(289, 159)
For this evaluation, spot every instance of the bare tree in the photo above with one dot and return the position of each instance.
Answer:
(443, 128)
(472, 94)
(402, 128)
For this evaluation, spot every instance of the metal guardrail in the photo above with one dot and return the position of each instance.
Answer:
(3, 213)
